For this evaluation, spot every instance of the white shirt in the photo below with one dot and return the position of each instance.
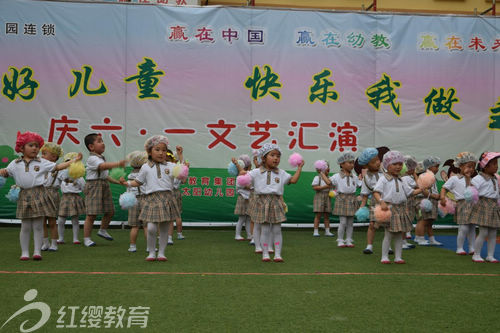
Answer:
(92, 167)
(243, 191)
(318, 181)
(70, 185)
(486, 185)
(340, 182)
(135, 190)
(456, 185)
(52, 179)
(156, 177)
(409, 181)
(269, 181)
(177, 183)
(392, 190)
(32, 174)
(369, 181)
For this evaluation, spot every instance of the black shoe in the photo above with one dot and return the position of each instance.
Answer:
(391, 251)
(367, 251)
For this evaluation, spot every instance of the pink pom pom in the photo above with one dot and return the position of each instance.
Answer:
(320, 165)
(295, 160)
(382, 215)
(184, 172)
(448, 208)
(426, 180)
(244, 180)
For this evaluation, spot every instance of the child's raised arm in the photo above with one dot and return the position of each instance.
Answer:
(112, 165)
(180, 155)
(64, 165)
(296, 175)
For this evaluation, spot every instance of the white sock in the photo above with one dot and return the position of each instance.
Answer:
(163, 238)
(492, 241)
(342, 227)
(471, 236)
(24, 237)
(239, 226)
(60, 227)
(462, 233)
(247, 226)
(316, 232)
(398, 245)
(265, 238)
(257, 233)
(370, 247)
(327, 230)
(386, 244)
(349, 229)
(478, 244)
(432, 239)
(277, 239)
(76, 227)
(152, 230)
(37, 234)
(53, 243)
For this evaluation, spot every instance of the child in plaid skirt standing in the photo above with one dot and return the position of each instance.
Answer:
(159, 207)
(457, 185)
(322, 203)
(391, 193)
(486, 213)
(346, 202)
(242, 202)
(72, 203)
(136, 160)
(177, 195)
(268, 207)
(33, 205)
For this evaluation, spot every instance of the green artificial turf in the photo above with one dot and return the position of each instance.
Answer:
(404, 298)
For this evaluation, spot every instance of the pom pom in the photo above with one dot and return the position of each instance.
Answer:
(232, 169)
(382, 216)
(471, 194)
(127, 200)
(295, 160)
(3, 180)
(362, 214)
(180, 171)
(404, 170)
(244, 180)
(426, 205)
(320, 165)
(76, 170)
(426, 180)
(332, 194)
(13, 194)
(117, 173)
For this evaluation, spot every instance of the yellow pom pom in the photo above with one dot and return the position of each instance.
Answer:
(76, 170)
(332, 194)
(176, 170)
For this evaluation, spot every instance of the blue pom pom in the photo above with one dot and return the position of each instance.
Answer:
(426, 205)
(362, 214)
(232, 169)
(127, 200)
(13, 194)
(3, 180)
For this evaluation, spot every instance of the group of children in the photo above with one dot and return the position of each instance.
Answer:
(40, 179)
(388, 182)
(260, 203)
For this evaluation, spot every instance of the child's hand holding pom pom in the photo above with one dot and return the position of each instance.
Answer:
(382, 216)
(244, 180)
(127, 200)
(76, 170)
(13, 194)
(471, 194)
(362, 214)
(295, 160)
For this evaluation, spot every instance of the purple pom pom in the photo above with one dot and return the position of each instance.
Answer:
(320, 165)
(295, 160)
(244, 180)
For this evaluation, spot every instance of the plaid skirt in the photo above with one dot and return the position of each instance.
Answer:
(267, 208)
(98, 198)
(134, 212)
(72, 204)
(432, 215)
(159, 206)
(462, 212)
(372, 205)
(400, 221)
(322, 202)
(178, 198)
(345, 204)
(242, 206)
(411, 208)
(53, 194)
(34, 202)
(486, 213)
